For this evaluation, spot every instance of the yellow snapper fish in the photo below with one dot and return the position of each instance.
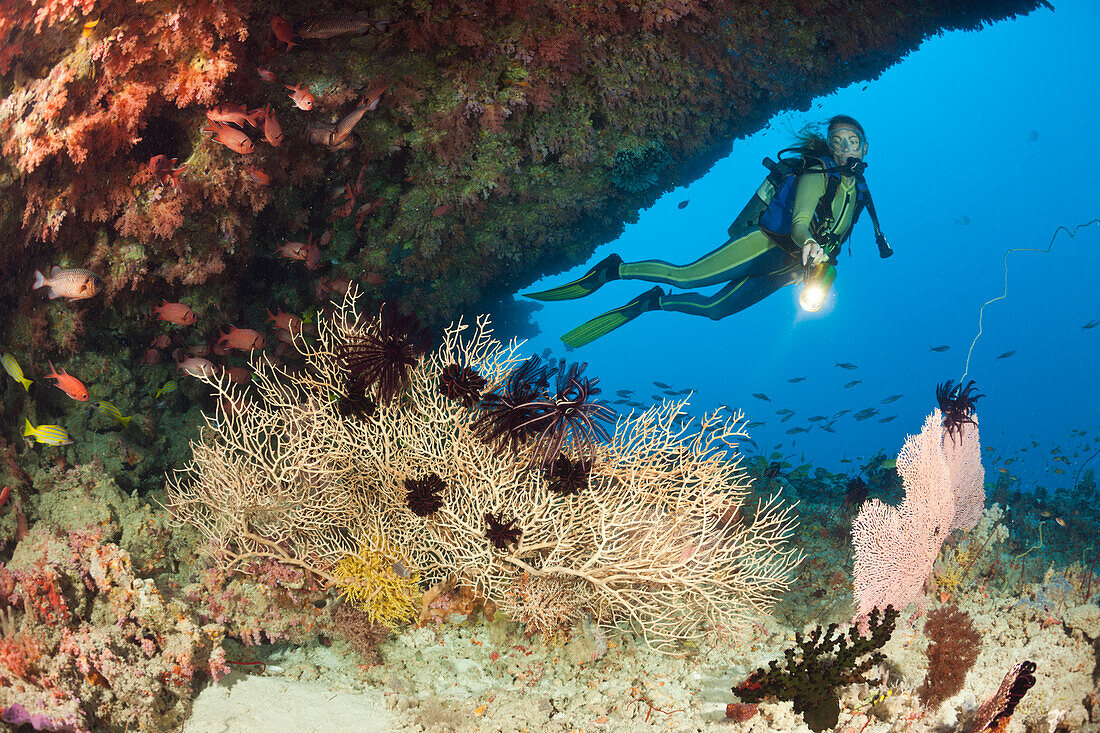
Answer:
(48, 434)
(11, 366)
(169, 386)
(109, 410)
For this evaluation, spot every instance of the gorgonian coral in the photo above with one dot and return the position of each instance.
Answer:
(385, 356)
(425, 494)
(507, 414)
(501, 533)
(957, 405)
(461, 384)
(568, 477)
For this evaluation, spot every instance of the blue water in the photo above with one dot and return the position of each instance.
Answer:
(979, 142)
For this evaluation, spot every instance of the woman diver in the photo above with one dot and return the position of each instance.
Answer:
(791, 230)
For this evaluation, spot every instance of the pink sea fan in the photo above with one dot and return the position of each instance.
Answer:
(964, 460)
(895, 547)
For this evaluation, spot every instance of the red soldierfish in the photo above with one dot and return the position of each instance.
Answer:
(364, 211)
(273, 132)
(294, 250)
(338, 285)
(312, 255)
(234, 113)
(72, 283)
(68, 384)
(285, 321)
(301, 96)
(266, 74)
(238, 375)
(197, 367)
(258, 175)
(283, 32)
(164, 170)
(177, 313)
(242, 339)
(230, 137)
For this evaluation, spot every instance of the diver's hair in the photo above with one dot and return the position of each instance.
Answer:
(808, 138)
(839, 120)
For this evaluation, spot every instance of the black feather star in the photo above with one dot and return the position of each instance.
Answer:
(957, 405)
(567, 477)
(506, 414)
(461, 384)
(385, 356)
(501, 533)
(571, 417)
(425, 495)
(356, 403)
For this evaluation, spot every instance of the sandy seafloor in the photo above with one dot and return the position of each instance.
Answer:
(483, 675)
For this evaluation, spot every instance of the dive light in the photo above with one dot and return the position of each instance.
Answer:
(816, 282)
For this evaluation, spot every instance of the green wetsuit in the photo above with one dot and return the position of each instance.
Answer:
(752, 264)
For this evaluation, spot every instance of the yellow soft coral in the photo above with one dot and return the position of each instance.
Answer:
(371, 582)
(950, 576)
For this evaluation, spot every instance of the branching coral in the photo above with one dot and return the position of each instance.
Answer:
(824, 661)
(649, 539)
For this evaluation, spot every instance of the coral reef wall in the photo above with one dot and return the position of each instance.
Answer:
(511, 137)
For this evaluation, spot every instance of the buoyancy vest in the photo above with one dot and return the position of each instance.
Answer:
(771, 208)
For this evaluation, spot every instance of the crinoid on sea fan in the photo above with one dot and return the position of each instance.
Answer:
(568, 477)
(505, 415)
(356, 403)
(425, 494)
(385, 355)
(957, 405)
(570, 418)
(461, 384)
(500, 532)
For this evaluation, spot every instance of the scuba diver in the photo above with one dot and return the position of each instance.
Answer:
(791, 231)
